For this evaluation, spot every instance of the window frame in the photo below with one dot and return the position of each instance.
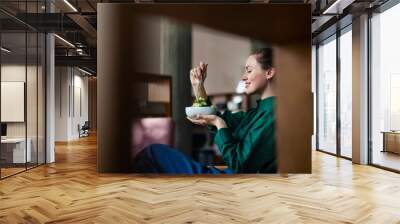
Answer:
(378, 10)
(334, 37)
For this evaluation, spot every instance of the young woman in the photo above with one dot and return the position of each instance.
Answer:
(246, 139)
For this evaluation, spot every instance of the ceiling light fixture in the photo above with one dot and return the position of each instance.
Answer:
(65, 41)
(70, 5)
(84, 71)
(5, 50)
(337, 7)
(80, 51)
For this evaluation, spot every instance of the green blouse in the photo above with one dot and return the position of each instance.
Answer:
(247, 145)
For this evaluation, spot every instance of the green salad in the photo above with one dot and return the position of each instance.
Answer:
(200, 102)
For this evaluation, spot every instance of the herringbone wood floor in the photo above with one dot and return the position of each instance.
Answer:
(70, 191)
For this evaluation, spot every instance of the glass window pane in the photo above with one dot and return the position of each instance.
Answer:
(314, 92)
(32, 95)
(14, 153)
(327, 96)
(22, 90)
(41, 98)
(385, 84)
(346, 94)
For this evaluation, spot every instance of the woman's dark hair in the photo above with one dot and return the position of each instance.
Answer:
(264, 57)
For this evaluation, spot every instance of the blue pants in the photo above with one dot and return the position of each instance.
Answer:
(158, 158)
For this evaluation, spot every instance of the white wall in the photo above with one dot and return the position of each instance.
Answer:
(62, 81)
(13, 73)
(70, 83)
(226, 55)
(79, 117)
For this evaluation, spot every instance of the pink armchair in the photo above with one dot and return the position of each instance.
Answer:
(147, 131)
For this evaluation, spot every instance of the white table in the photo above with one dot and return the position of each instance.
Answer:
(17, 145)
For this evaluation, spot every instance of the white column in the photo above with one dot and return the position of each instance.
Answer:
(360, 90)
(63, 102)
(50, 99)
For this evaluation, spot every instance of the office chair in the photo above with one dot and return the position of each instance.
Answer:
(84, 130)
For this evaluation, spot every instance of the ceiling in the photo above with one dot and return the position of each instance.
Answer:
(76, 21)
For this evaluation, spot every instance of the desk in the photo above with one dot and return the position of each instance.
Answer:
(391, 141)
(13, 150)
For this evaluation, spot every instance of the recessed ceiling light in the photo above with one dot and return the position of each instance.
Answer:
(70, 5)
(338, 6)
(65, 41)
(5, 50)
(84, 71)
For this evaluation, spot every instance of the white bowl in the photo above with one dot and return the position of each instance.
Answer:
(193, 111)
